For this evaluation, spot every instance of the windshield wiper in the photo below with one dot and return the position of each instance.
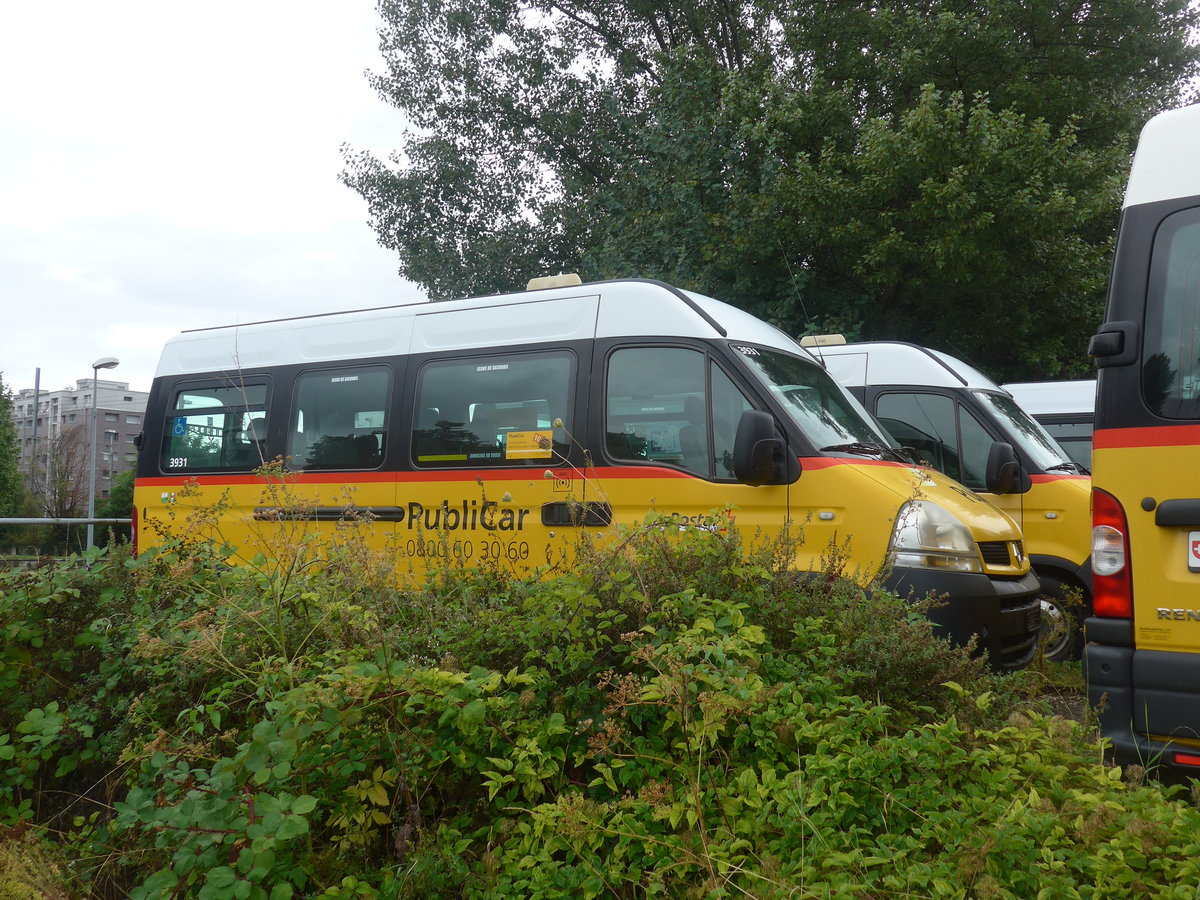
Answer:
(863, 448)
(1069, 467)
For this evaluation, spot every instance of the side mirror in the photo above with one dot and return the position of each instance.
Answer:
(1004, 475)
(760, 455)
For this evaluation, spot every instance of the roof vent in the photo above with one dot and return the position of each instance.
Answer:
(570, 279)
(822, 340)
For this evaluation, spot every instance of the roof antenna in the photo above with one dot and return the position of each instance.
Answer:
(792, 275)
(815, 342)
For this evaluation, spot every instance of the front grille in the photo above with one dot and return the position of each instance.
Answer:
(995, 553)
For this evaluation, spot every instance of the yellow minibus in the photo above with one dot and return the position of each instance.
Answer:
(1143, 653)
(958, 420)
(496, 429)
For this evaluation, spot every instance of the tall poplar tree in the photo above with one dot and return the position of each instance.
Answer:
(946, 171)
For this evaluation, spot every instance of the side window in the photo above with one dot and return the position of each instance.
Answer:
(728, 404)
(925, 422)
(339, 418)
(503, 410)
(976, 445)
(217, 426)
(944, 433)
(659, 408)
(1170, 361)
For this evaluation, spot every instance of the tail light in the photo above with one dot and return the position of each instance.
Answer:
(1187, 759)
(1112, 581)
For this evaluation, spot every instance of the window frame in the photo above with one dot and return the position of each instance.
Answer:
(960, 408)
(387, 430)
(197, 385)
(1160, 305)
(909, 392)
(711, 358)
(562, 453)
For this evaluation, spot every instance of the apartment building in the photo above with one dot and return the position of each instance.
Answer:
(52, 425)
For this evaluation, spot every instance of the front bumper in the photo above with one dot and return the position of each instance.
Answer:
(1004, 613)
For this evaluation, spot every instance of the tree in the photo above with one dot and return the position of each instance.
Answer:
(11, 487)
(933, 169)
(118, 505)
(62, 488)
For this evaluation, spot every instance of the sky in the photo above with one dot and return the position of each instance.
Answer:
(166, 166)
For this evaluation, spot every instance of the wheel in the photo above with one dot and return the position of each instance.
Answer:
(1064, 607)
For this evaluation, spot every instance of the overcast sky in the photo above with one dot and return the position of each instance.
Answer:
(167, 166)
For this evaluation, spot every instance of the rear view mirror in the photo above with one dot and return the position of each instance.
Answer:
(760, 454)
(1004, 474)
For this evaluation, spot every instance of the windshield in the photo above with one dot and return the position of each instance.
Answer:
(1043, 451)
(825, 412)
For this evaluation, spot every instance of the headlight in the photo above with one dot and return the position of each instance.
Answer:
(926, 536)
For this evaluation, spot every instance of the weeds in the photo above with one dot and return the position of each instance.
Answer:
(678, 715)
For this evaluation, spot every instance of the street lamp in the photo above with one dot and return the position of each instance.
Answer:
(104, 362)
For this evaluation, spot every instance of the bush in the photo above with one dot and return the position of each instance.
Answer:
(677, 716)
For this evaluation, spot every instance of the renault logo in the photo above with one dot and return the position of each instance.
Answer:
(1018, 552)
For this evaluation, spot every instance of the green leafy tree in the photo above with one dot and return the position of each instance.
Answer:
(916, 169)
(117, 505)
(11, 488)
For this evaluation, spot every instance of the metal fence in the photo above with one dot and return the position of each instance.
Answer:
(29, 560)
(84, 521)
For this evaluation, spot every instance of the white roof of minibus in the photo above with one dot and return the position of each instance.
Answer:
(599, 309)
(888, 362)
(1164, 165)
(1040, 398)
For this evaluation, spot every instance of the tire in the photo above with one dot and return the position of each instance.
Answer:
(1064, 607)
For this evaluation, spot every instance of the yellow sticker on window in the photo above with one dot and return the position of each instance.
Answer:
(529, 444)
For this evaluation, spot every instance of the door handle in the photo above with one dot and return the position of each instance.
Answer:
(561, 513)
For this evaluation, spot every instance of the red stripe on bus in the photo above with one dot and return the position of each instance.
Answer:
(1156, 436)
(825, 462)
(1047, 477)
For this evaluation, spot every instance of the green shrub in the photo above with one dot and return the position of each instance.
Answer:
(678, 716)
